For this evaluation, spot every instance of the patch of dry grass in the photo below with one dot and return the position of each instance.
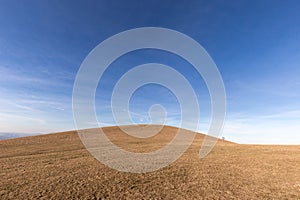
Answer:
(56, 166)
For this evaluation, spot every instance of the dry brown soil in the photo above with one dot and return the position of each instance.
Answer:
(57, 166)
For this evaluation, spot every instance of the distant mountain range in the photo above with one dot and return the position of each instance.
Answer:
(6, 135)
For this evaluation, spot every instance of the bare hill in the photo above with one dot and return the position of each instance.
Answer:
(57, 166)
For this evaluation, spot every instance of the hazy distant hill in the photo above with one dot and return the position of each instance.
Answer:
(6, 135)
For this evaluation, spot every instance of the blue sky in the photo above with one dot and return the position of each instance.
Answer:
(255, 44)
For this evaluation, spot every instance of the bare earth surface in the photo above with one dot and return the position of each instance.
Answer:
(57, 166)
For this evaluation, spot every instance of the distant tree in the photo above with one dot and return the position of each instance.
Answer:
(223, 138)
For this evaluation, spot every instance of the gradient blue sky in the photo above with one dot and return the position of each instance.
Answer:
(255, 44)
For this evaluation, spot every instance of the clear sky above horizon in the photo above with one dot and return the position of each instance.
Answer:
(255, 44)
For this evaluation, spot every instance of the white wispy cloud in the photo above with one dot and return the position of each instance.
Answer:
(35, 79)
(275, 128)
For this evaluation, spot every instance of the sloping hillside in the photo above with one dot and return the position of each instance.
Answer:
(57, 166)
